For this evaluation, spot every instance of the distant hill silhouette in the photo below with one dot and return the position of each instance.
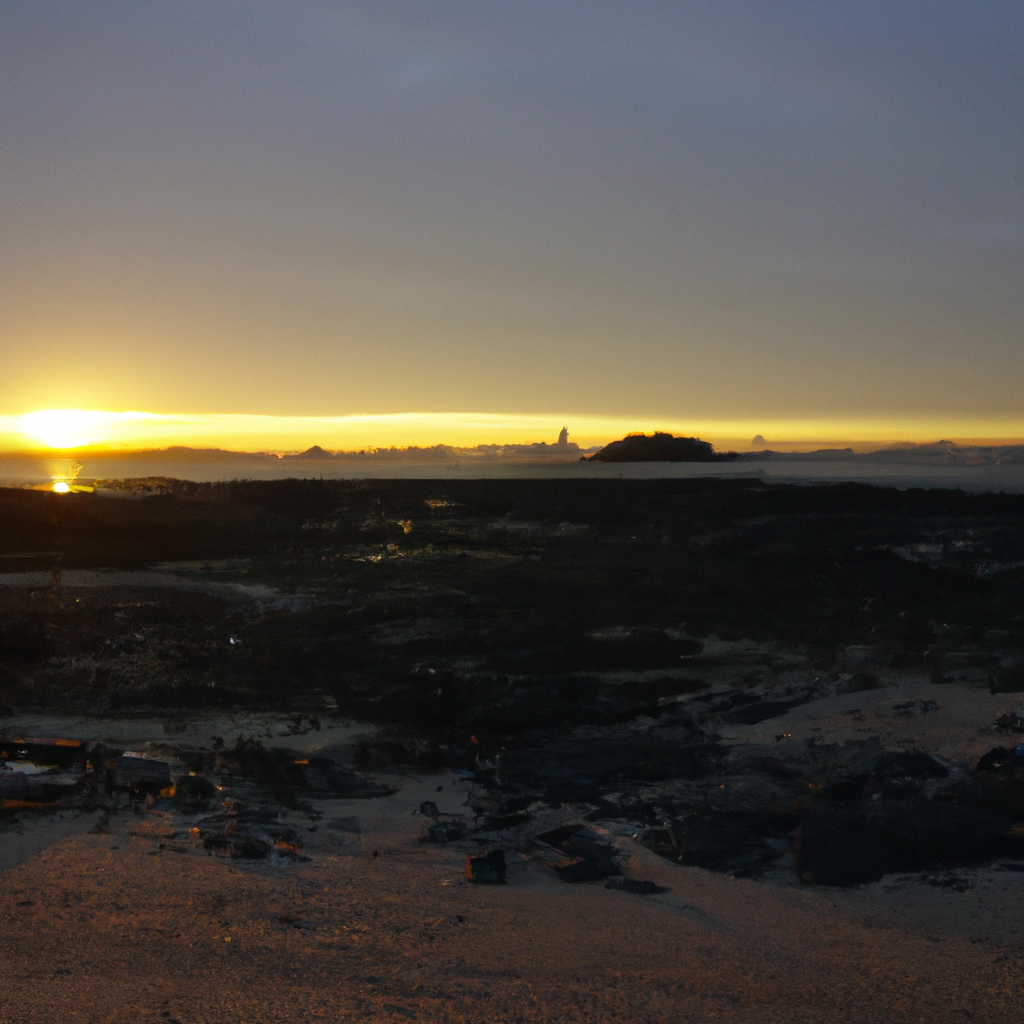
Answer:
(938, 453)
(316, 452)
(660, 447)
(443, 452)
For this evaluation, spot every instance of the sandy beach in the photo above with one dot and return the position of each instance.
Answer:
(377, 925)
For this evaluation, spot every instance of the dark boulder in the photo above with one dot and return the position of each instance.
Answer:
(855, 845)
(141, 774)
(193, 792)
(356, 787)
(489, 869)
(587, 857)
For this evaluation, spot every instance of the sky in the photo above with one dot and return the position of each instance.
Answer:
(739, 216)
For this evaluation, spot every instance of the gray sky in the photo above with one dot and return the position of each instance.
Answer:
(655, 209)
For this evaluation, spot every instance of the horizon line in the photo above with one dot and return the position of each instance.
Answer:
(97, 432)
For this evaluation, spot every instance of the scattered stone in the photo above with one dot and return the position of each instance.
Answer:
(445, 832)
(241, 832)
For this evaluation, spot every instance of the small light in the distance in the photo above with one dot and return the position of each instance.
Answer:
(61, 487)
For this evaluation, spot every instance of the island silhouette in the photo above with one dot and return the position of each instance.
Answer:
(659, 447)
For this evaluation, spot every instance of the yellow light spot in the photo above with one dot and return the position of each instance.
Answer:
(63, 428)
(61, 487)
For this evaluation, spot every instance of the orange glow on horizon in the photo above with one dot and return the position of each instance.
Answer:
(97, 431)
(64, 429)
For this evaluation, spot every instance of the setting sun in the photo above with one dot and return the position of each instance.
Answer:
(65, 428)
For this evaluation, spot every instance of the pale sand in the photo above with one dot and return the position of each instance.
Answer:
(957, 729)
(132, 934)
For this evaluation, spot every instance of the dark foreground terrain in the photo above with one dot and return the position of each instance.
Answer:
(815, 683)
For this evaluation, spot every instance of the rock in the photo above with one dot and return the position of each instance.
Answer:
(737, 842)
(42, 788)
(862, 843)
(1013, 719)
(237, 845)
(489, 869)
(586, 857)
(637, 888)
(661, 842)
(248, 833)
(445, 832)
(141, 774)
(193, 792)
(996, 758)
(356, 787)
